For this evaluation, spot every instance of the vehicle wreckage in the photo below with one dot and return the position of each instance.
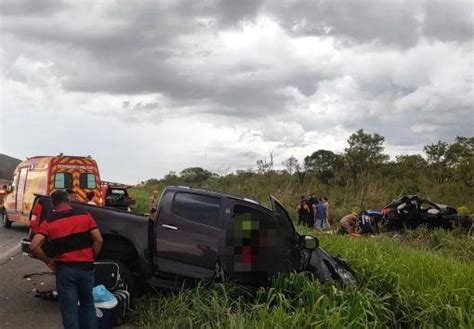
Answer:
(202, 235)
(411, 211)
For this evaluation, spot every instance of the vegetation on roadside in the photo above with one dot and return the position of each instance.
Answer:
(361, 177)
(398, 287)
(419, 279)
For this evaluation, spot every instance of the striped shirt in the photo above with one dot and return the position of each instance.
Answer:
(69, 234)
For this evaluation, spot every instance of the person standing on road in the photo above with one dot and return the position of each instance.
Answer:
(320, 215)
(153, 205)
(76, 242)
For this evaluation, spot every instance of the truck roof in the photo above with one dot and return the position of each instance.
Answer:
(217, 194)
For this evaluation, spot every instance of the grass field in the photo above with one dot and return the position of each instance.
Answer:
(420, 279)
(399, 287)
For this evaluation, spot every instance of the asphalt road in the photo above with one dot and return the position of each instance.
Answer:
(10, 240)
(19, 308)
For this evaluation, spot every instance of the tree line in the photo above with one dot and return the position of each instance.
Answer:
(363, 175)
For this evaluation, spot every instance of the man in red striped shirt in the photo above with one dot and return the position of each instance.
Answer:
(76, 242)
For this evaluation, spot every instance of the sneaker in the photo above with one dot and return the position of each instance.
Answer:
(103, 298)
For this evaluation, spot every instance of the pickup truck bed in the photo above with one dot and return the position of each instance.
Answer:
(124, 233)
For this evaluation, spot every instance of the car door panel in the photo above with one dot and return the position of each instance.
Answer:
(185, 244)
(288, 249)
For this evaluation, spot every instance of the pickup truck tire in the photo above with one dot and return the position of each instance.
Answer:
(5, 222)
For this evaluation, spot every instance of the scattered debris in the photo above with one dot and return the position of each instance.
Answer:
(48, 294)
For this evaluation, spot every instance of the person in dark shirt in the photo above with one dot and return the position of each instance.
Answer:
(76, 242)
(303, 210)
(312, 200)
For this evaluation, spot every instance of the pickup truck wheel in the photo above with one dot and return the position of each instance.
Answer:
(5, 222)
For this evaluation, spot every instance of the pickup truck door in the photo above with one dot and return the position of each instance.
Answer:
(188, 231)
(289, 249)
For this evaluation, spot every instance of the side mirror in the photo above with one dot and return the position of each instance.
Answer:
(310, 242)
(131, 201)
(10, 188)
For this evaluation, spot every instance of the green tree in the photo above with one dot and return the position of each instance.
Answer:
(325, 164)
(410, 166)
(171, 176)
(410, 172)
(365, 153)
(437, 155)
(195, 175)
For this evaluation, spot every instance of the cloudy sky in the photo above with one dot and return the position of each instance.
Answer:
(147, 87)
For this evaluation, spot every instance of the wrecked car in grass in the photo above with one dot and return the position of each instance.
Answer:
(411, 211)
(198, 234)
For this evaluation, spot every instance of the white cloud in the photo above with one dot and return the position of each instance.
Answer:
(161, 86)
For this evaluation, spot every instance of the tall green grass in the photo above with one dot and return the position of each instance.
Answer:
(398, 287)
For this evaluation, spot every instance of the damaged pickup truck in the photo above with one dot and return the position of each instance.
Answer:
(197, 235)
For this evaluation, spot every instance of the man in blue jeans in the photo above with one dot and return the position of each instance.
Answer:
(76, 242)
(320, 215)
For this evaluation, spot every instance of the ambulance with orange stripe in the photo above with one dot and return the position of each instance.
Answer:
(43, 175)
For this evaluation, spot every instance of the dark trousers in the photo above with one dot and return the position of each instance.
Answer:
(75, 285)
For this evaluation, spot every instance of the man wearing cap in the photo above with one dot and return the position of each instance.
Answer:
(349, 224)
(76, 242)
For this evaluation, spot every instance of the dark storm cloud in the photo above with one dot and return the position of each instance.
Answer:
(30, 8)
(396, 23)
(363, 21)
(180, 51)
(449, 21)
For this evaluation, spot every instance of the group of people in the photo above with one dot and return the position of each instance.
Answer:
(314, 212)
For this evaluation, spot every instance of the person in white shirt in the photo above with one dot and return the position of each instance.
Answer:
(90, 198)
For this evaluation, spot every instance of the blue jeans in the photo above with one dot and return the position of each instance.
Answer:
(319, 223)
(75, 285)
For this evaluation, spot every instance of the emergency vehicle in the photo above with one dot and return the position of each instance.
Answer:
(44, 174)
